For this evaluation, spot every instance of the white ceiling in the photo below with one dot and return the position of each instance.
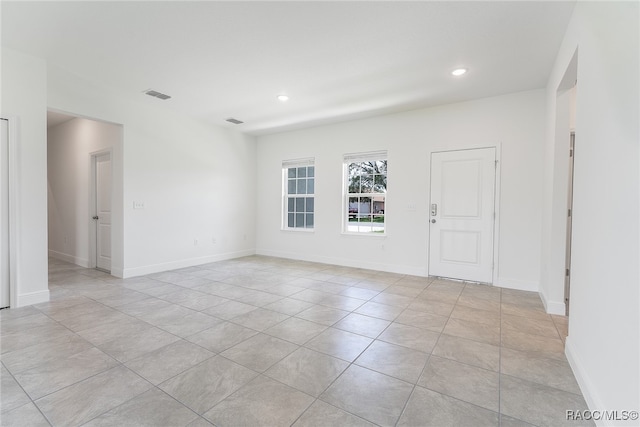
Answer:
(336, 60)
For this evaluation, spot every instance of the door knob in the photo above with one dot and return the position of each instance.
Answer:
(433, 221)
(96, 217)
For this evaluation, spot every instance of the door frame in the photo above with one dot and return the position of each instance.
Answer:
(496, 204)
(93, 225)
(14, 206)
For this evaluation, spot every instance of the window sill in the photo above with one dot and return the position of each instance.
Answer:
(299, 230)
(365, 235)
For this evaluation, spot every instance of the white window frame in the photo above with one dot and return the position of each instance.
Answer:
(286, 165)
(356, 158)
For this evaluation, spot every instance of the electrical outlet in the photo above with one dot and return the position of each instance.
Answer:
(195, 242)
(213, 240)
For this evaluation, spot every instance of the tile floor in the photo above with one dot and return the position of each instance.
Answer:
(274, 342)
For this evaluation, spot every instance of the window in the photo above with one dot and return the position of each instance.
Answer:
(299, 186)
(365, 192)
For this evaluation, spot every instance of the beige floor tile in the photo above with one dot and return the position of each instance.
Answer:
(427, 408)
(289, 306)
(221, 336)
(321, 414)
(48, 377)
(536, 344)
(23, 323)
(538, 404)
(532, 367)
(199, 422)
(380, 311)
(323, 315)
(25, 415)
(168, 361)
(259, 319)
(134, 345)
(445, 335)
(259, 352)
(194, 300)
(482, 291)
(472, 301)
(431, 306)
(342, 344)
(307, 371)
(295, 330)
(362, 325)
(529, 326)
(360, 293)
(393, 299)
(410, 336)
(229, 310)
(184, 326)
(473, 331)
(516, 310)
(375, 397)
(400, 362)
(486, 317)
(469, 383)
(152, 408)
(260, 299)
(207, 384)
(442, 295)
(83, 401)
(46, 352)
(470, 352)
(406, 291)
(429, 321)
(262, 402)
(512, 422)
(13, 396)
(341, 302)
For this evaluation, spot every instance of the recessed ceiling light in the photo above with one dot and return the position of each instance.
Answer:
(459, 71)
(283, 98)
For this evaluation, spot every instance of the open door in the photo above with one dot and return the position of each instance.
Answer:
(462, 214)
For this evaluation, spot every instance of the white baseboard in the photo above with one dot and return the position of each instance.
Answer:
(173, 265)
(553, 307)
(389, 268)
(517, 284)
(582, 377)
(32, 298)
(69, 258)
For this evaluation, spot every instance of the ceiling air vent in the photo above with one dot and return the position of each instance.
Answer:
(157, 94)
(234, 121)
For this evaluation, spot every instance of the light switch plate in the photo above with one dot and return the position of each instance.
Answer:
(138, 205)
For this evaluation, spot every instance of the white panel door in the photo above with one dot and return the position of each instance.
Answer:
(4, 214)
(462, 214)
(103, 212)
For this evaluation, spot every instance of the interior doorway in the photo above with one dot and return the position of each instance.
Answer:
(462, 214)
(85, 181)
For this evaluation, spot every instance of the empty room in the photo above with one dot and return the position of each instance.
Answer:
(325, 213)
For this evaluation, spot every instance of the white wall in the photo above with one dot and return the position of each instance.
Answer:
(196, 180)
(24, 101)
(70, 145)
(514, 123)
(604, 330)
